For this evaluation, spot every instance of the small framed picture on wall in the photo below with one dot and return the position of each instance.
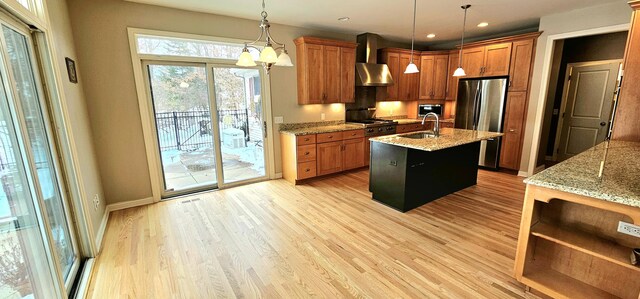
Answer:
(71, 70)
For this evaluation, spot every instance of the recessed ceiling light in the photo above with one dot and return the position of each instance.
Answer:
(431, 35)
(483, 24)
(344, 19)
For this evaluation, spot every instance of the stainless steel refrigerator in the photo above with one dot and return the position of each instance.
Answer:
(480, 106)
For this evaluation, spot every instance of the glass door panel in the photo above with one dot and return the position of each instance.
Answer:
(238, 98)
(182, 115)
(18, 50)
(24, 263)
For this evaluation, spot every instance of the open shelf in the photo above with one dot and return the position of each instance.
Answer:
(586, 243)
(559, 285)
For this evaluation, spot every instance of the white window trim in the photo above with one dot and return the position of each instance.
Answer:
(144, 102)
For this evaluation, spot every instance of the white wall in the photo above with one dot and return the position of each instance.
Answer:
(615, 13)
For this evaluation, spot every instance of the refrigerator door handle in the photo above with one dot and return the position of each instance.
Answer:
(476, 106)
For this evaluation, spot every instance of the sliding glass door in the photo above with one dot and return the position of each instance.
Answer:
(238, 98)
(200, 147)
(38, 249)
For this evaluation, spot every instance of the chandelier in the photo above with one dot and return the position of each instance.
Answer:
(268, 56)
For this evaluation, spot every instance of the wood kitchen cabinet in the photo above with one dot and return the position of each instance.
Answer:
(433, 76)
(513, 130)
(405, 87)
(325, 70)
(308, 156)
(487, 61)
(452, 82)
(521, 65)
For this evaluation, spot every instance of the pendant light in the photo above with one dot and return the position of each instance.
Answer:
(412, 68)
(460, 71)
(268, 56)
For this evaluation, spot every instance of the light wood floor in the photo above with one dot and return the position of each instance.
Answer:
(324, 239)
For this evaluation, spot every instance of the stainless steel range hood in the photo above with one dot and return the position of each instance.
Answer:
(368, 71)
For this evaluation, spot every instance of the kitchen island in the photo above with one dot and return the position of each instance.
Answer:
(410, 170)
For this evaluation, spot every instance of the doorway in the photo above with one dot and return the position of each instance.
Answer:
(582, 72)
(209, 124)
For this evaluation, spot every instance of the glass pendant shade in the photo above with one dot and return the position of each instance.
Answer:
(412, 68)
(459, 72)
(268, 55)
(284, 59)
(245, 59)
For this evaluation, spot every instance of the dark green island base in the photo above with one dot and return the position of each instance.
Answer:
(405, 178)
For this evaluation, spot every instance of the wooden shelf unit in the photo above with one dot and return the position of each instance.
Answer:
(569, 246)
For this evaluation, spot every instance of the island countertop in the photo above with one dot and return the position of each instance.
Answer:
(449, 137)
(609, 171)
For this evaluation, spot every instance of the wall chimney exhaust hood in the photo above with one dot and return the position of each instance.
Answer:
(371, 74)
(368, 71)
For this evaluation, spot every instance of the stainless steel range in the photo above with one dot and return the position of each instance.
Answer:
(376, 127)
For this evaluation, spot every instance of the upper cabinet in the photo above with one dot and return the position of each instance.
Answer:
(326, 70)
(406, 86)
(487, 61)
(452, 82)
(521, 63)
(433, 76)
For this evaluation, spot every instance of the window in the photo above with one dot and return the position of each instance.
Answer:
(171, 46)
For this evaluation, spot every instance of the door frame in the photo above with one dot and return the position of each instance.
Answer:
(565, 95)
(145, 108)
(28, 159)
(538, 111)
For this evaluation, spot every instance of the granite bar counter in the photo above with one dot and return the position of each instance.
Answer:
(412, 169)
(298, 129)
(609, 171)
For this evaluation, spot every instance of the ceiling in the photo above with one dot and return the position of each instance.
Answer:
(392, 19)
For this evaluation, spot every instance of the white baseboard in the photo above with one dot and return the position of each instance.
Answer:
(523, 174)
(101, 230)
(278, 176)
(129, 204)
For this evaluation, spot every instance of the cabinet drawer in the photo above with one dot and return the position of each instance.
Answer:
(306, 139)
(306, 153)
(329, 137)
(352, 134)
(306, 170)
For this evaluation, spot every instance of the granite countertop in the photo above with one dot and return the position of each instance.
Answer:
(449, 137)
(405, 121)
(318, 129)
(609, 171)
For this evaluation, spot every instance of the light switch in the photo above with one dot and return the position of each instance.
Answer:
(278, 119)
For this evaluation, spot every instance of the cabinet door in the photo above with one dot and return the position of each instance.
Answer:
(348, 72)
(427, 63)
(513, 130)
(332, 76)
(441, 64)
(497, 60)
(473, 61)
(393, 62)
(329, 157)
(404, 87)
(353, 154)
(314, 73)
(521, 58)
(452, 82)
(367, 151)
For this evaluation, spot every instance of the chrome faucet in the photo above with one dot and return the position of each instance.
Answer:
(436, 127)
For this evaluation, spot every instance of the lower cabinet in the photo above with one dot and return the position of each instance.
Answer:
(329, 157)
(513, 130)
(308, 156)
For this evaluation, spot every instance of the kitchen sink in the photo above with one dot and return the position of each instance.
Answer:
(419, 135)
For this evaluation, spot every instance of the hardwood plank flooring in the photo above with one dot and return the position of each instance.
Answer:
(324, 239)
